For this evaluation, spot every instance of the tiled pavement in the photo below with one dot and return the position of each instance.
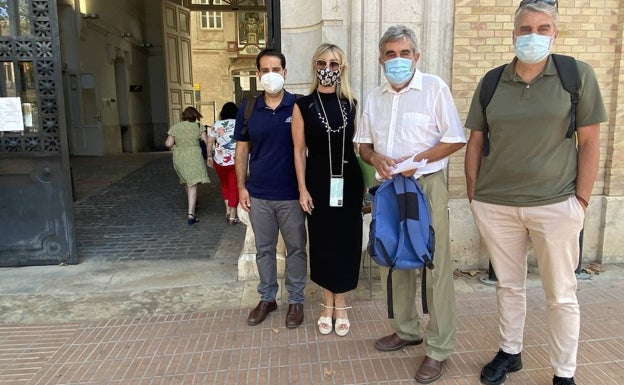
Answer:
(215, 346)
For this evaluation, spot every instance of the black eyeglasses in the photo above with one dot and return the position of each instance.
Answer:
(553, 3)
(333, 65)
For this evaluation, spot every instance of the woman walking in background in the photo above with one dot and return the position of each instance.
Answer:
(221, 139)
(330, 184)
(183, 139)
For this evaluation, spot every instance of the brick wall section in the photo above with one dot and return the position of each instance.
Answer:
(614, 178)
(591, 31)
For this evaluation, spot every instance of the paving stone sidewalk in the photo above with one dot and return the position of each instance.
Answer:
(156, 302)
(219, 348)
(143, 217)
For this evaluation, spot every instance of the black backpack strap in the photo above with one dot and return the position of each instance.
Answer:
(570, 79)
(249, 107)
(488, 86)
(389, 294)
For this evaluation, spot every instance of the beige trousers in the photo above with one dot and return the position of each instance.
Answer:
(439, 332)
(554, 230)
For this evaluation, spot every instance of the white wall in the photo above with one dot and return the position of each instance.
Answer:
(357, 26)
(95, 44)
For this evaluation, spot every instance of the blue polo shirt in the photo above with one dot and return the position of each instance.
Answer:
(271, 160)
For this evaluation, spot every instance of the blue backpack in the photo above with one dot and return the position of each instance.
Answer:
(401, 236)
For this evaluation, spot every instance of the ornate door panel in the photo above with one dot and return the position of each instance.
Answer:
(36, 212)
(177, 29)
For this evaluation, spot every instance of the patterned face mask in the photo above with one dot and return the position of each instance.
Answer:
(327, 77)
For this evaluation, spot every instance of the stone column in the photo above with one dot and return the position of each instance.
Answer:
(247, 269)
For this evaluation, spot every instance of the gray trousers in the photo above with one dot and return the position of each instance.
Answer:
(268, 218)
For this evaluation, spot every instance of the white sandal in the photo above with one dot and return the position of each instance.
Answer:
(325, 325)
(342, 324)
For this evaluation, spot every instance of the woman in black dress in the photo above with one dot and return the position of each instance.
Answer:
(331, 187)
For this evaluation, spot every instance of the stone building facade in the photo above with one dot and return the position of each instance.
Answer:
(459, 40)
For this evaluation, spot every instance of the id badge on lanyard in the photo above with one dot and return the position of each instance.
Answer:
(336, 188)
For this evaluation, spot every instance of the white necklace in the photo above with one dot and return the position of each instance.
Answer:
(330, 131)
(324, 119)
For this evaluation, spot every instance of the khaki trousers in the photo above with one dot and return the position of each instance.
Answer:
(439, 333)
(554, 230)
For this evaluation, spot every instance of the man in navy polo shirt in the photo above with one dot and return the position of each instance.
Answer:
(269, 193)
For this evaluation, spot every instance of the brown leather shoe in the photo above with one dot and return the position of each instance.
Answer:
(394, 342)
(430, 370)
(260, 312)
(294, 317)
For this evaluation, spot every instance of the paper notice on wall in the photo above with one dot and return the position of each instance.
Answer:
(11, 118)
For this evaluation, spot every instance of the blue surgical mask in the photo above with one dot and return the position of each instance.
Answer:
(532, 48)
(399, 70)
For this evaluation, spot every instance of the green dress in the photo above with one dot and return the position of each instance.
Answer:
(187, 157)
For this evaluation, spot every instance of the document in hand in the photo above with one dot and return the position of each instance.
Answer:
(406, 165)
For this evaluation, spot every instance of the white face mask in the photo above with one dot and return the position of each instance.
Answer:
(272, 82)
(532, 48)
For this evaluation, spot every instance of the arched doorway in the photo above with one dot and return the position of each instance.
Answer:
(35, 171)
(245, 84)
(227, 35)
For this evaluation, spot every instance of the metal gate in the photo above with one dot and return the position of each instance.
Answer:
(36, 211)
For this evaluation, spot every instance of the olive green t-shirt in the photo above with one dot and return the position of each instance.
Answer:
(531, 162)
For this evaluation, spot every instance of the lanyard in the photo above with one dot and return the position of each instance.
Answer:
(329, 131)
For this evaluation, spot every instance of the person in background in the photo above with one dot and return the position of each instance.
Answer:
(323, 127)
(534, 183)
(183, 138)
(414, 115)
(269, 192)
(221, 150)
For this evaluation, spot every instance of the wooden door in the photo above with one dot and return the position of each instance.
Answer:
(86, 135)
(178, 69)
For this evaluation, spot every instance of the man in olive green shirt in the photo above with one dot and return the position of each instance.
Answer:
(534, 183)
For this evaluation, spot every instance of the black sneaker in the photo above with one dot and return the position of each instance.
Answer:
(563, 380)
(495, 372)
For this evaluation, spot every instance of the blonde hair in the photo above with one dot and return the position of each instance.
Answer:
(342, 89)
